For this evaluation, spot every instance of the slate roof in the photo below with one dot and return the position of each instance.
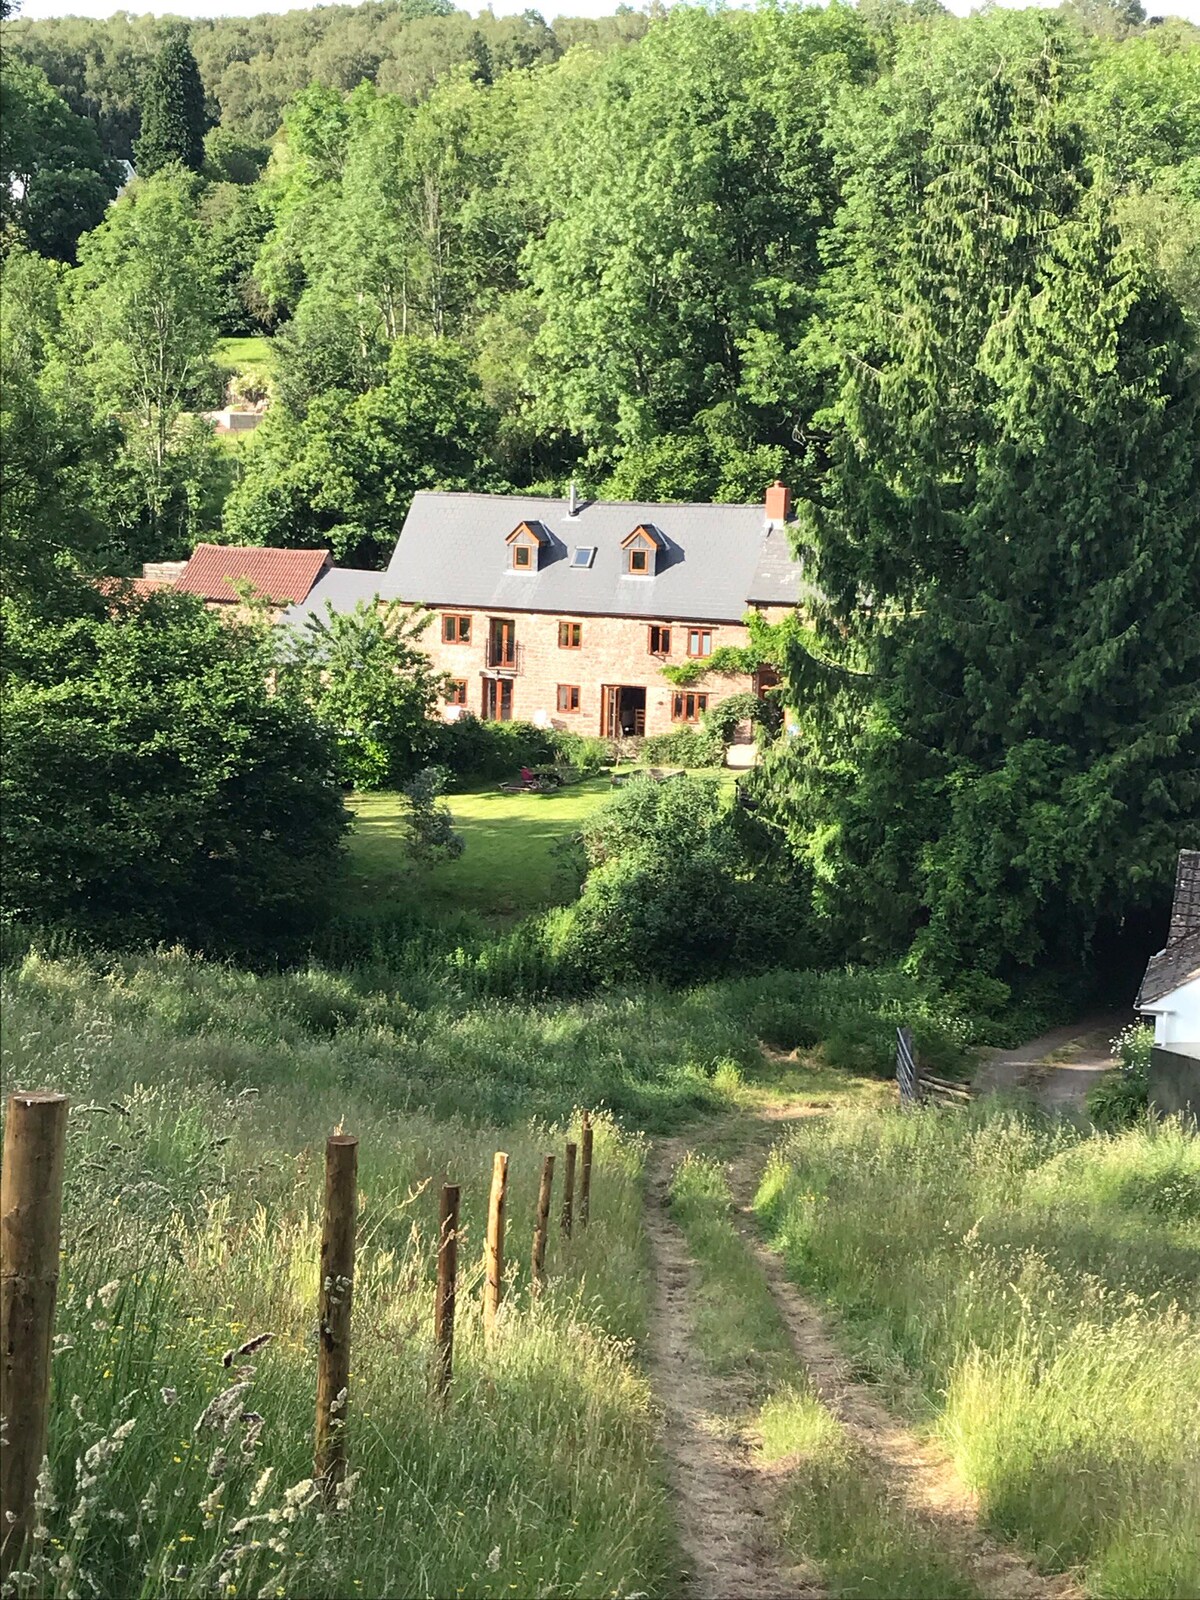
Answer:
(279, 576)
(714, 560)
(343, 587)
(1179, 962)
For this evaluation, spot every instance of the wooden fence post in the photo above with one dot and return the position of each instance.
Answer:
(908, 1075)
(447, 1288)
(493, 1289)
(335, 1299)
(540, 1224)
(35, 1140)
(568, 1190)
(585, 1171)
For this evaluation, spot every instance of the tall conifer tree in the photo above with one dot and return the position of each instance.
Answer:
(1008, 527)
(173, 120)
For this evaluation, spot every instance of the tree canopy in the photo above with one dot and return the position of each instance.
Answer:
(939, 274)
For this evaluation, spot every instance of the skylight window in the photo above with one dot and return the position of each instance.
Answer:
(584, 556)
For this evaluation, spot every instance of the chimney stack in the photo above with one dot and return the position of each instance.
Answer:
(573, 503)
(779, 502)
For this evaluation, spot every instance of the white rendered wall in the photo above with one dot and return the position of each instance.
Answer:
(1178, 1020)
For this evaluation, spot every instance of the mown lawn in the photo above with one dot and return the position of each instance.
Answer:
(251, 354)
(517, 858)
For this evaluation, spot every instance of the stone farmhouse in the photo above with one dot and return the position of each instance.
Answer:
(564, 612)
(561, 612)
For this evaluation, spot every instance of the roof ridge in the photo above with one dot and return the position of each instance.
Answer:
(595, 500)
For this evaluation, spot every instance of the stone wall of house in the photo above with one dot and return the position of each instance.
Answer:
(612, 650)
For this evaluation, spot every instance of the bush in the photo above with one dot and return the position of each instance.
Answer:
(154, 788)
(1122, 1098)
(670, 894)
(686, 747)
(472, 751)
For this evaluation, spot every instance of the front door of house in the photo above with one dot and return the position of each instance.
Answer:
(497, 699)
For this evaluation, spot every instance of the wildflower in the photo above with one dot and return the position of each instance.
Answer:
(493, 1560)
(169, 1395)
(300, 1493)
(108, 1294)
(345, 1491)
(216, 1467)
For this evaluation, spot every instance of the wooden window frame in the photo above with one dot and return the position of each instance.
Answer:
(457, 693)
(679, 701)
(634, 569)
(565, 639)
(569, 691)
(663, 631)
(700, 634)
(452, 627)
(518, 550)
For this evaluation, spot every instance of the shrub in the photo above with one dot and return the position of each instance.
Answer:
(670, 894)
(686, 747)
(472, 751)
(1122, 1097)
(154, 788)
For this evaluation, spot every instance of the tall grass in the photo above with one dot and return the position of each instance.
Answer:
(833, 1508)
(1041, 1289)
(181, 1464)
(407, 1040)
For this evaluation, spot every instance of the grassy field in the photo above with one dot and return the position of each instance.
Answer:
(192, 1226)
(247, 355)
(202, 1097)
(517, 858)
(1033, 1294)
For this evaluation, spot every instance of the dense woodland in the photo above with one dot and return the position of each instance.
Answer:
(941, 275)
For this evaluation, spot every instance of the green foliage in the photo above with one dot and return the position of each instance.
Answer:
(369, 683)
(1011, 775)
(1122, 1098)
(344, 475)
(686, 747)
(1048, 1316)
(669, 894)
(57, 182)
(173, 120)
(52, 448)
(431, 826)
(144, 308)
(148, 773)
(472, 750)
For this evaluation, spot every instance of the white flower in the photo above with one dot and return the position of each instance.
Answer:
(109, 1293)
(493, 1561)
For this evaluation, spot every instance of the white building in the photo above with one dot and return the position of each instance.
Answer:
(1170, 991)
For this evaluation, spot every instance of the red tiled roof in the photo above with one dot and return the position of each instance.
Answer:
(115, 587)
(283, 577)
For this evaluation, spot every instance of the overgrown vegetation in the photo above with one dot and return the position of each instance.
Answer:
(1034, 1293)
(193, 1226)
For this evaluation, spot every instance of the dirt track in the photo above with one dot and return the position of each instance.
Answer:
(723, 1493)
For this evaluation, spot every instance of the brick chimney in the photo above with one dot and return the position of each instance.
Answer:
(779, 502)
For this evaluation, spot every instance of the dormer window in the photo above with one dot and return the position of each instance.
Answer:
(641, 549)
(525, 542)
